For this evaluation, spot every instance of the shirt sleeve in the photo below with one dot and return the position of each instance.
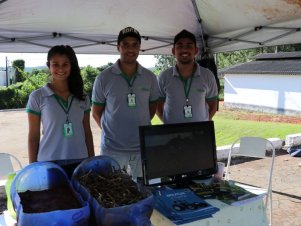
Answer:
(33, 104)
(212, 92)
(154, 95)
(98, 97)
(161, 84)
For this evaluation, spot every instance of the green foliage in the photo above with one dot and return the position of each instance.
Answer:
(37, 71)
(6, 94)
(289, 48)
(228, 59)
(164, 62)
(16, 95)
(12, 97)
(231, 58)
(89, 74)
(34, 81)
(102, 68)
(156, 71)
(19, 65)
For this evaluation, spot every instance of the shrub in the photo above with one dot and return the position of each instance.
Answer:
(19, 65)
(10, 98)
(34, 81)
(89, 74)
(16, 95)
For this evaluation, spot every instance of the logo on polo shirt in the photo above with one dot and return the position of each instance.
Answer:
(82, 106)
(145, 89)
(200, 90)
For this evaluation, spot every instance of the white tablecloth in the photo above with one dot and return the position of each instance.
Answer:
(250, 213)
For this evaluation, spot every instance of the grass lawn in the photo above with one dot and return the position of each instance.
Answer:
(228, 128)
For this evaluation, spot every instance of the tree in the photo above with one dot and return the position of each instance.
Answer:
(89, 74)
(289, 48)
(42, 70)
(228, 59)
(103, 67)
(164, 62)
(19, 65)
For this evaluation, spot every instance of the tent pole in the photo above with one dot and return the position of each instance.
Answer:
(197, 13)
(6, 71)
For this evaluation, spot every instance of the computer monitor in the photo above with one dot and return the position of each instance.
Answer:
(174, 153)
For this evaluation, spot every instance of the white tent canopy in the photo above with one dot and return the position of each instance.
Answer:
(92, 26)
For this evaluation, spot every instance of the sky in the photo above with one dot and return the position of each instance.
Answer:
(95, 60)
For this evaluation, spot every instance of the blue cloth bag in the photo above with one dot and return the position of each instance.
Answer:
(40, 176)
(135, 214)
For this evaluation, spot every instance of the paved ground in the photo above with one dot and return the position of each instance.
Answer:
(286, 179)
(286, 185)
(13, 134)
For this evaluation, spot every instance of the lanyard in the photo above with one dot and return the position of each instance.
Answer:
(130, 81)
(187, 86)
(65, 109)
(187, 83)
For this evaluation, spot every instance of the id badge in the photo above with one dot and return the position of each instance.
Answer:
(68, 129)
(131, 100)
(187, 111)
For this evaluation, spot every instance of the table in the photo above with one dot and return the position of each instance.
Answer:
(249, 214)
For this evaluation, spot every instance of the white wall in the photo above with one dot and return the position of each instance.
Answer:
(2, 78)
(274, 93)
(11, 76)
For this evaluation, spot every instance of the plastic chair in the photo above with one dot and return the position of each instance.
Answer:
(255, 147)
(8, 164)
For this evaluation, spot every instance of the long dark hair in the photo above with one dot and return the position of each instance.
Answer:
(75, 81)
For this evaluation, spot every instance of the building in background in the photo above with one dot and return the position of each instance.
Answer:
(270, 83)
(7, 76)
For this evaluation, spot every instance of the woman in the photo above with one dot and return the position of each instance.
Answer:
(64, 112)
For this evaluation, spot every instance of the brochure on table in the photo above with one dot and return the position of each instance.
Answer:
(227, 192)
(182, 205)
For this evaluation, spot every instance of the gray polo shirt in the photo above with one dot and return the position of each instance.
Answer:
(53, 144)
(171, 87)
(120, 123)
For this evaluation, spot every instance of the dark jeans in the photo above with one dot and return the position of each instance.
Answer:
(68, 165)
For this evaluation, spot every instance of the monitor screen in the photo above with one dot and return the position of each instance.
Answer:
(177, 151)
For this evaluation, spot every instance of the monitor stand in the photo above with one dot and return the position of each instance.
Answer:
(180, 182)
